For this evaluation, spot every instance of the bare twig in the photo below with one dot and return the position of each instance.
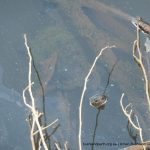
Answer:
(129, 116)
(57, 146)
(34, 111)
(66, 145)
(138, 59)
(24, 97)
(130, 130)
(43, 128)
(36, 126)
(83, 93)
(39, 145)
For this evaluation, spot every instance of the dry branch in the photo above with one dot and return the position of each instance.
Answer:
(83, 93)
(129, 114)
(137, 54)
(36, 126)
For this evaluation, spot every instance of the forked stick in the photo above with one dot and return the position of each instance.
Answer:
(129, 116)
(34, 112)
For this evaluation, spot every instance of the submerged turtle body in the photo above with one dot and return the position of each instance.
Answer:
(72, 64)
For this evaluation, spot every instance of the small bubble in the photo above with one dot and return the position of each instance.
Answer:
(112, 85)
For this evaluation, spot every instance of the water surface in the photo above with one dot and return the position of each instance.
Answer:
(65, 38)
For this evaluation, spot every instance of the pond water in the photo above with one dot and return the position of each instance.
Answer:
(65, 37)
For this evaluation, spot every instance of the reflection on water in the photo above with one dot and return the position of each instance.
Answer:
(65, 37)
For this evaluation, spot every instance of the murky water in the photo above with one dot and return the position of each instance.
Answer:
(65, 38)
